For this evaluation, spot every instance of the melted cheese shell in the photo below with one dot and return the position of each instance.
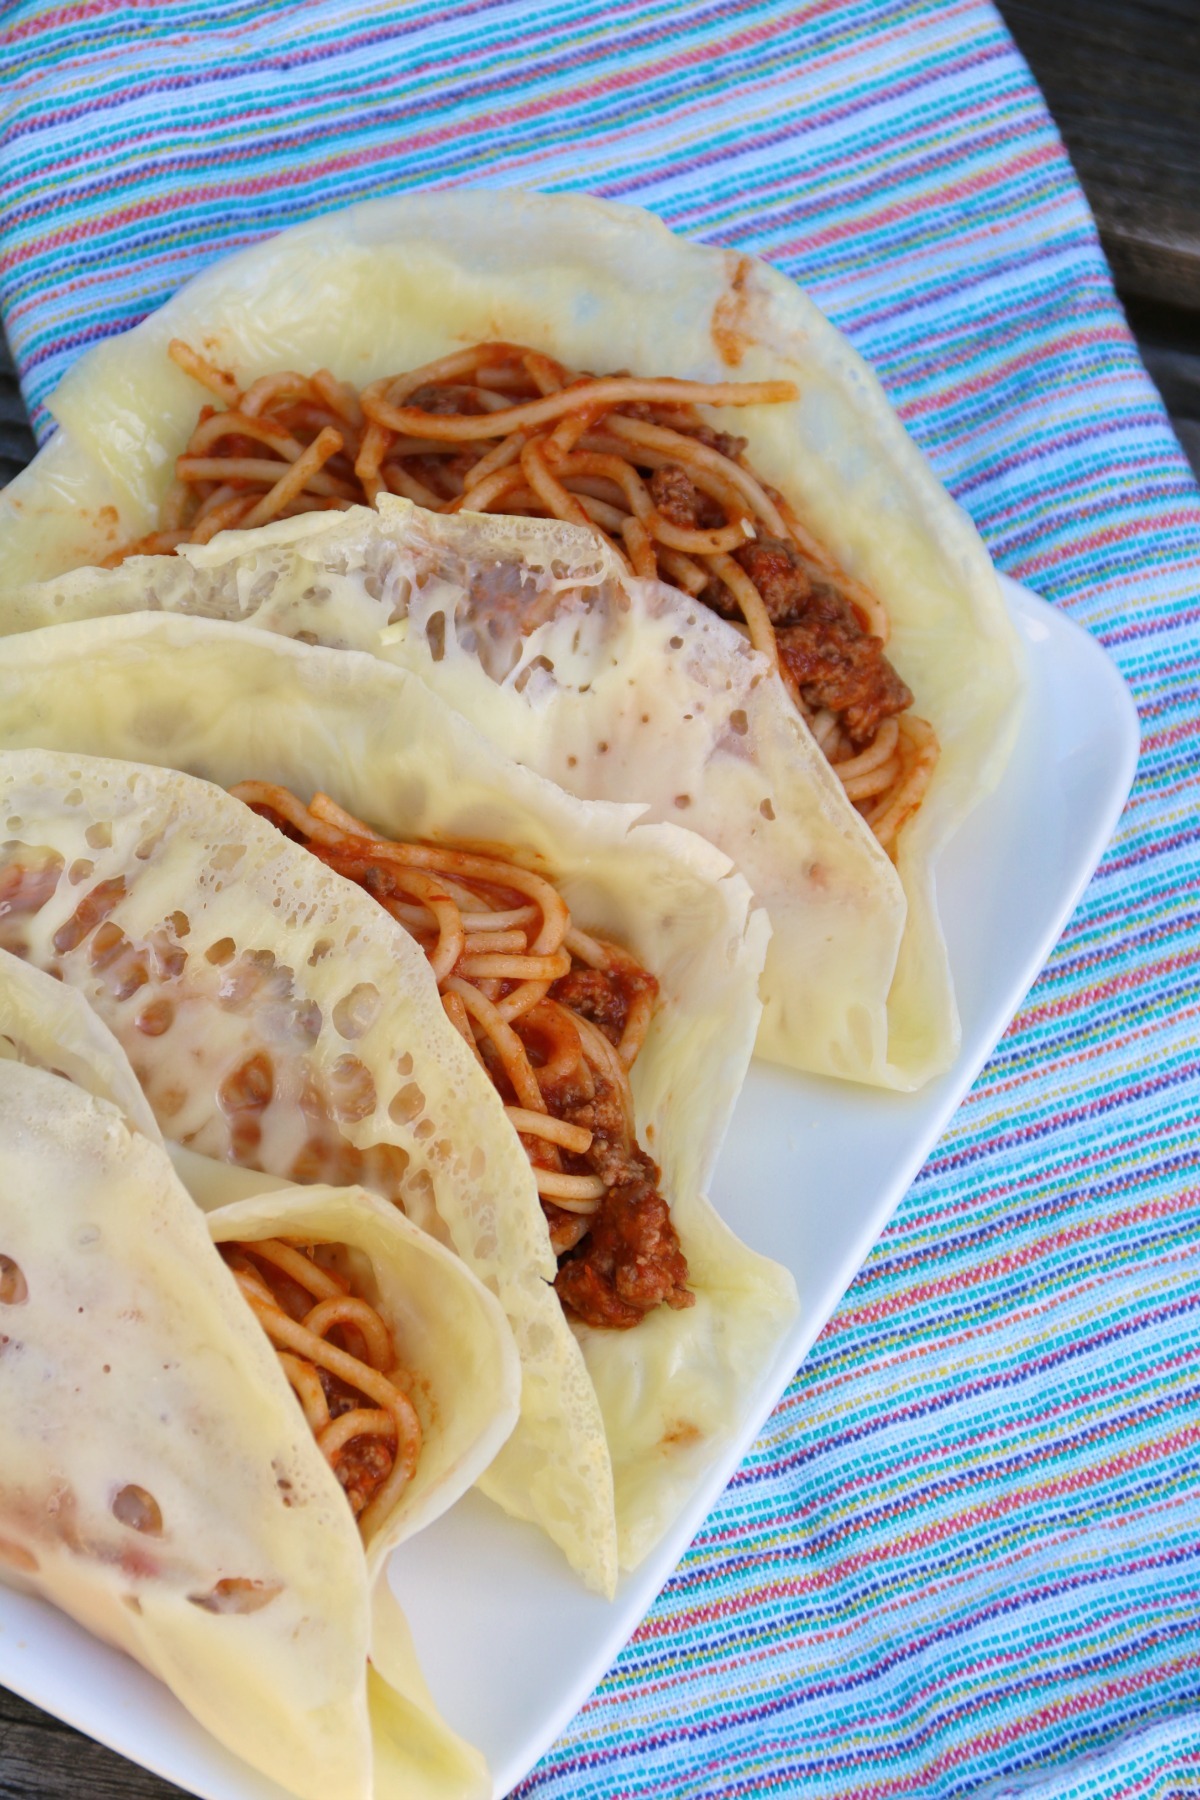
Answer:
(231, 965)
(672, 1389)
(387, 285)
(133, 1387)
(133, 1372)
(452, 1343)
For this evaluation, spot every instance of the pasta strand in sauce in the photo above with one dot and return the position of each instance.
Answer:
(337, 1353)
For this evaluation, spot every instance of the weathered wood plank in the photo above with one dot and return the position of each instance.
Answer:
(1168, 338)
(39, 1757)
(1121, 79)
(16, 439)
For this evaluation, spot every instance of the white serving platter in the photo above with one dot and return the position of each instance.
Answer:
(1006, 887)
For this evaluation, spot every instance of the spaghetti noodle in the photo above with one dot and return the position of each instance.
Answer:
(555, 1016)
(499, 427)
(337, 1353)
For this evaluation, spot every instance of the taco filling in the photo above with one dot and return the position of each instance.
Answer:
(503, 428)
(337, 1353)
(556, 1017)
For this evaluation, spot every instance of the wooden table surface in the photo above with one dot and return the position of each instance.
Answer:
(1121, 78)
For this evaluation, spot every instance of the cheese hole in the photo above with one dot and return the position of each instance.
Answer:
(330, 1158)
(407, 1104)
(156, 1018)
(237, 1594)
(108, 942)
(91, 911)
(250, 1087)
(356, 1012)
(420, 1188)
(134, 1507)
(384, 1169)
(128, 978)
(351, 1089)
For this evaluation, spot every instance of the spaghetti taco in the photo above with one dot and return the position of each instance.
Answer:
(401, 1361)
(749, 467)
(522, 1017)
(160, 1484)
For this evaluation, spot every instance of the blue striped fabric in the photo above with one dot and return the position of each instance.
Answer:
(964, 1557)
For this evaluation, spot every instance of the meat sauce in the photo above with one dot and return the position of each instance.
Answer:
(630, 1260)
(553, 442)
(828, 658)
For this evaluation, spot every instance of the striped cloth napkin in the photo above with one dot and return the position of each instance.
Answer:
(964, 1557)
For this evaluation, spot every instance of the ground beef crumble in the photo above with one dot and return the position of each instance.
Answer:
(365, 1462)
(674, 495)
(603, 995)
(630, 1260)
(827, 656)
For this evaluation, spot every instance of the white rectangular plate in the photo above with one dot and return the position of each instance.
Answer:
(1006, 886)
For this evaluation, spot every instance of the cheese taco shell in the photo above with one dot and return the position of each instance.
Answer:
(452, 1341)
(625, 690)
(671, 1390)
(388, 285)
(200, 918)
(159, 1483)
